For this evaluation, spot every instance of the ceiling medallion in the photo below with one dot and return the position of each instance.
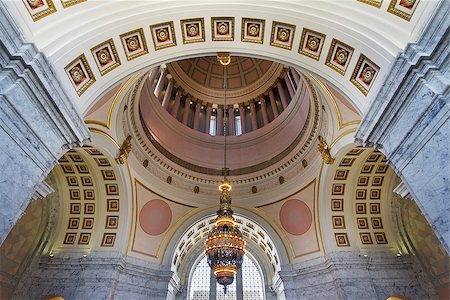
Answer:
(132, 43)
(103, 56)
(225, 246)
(313, 43)
(77, 74)
(162, 34)
(253, 30)
(34, 3)
(341, 56)
(192, 29)
(368, 74)
(222, 28)
(283, 34)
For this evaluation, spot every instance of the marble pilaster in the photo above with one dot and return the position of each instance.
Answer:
(409, 121)
(38, 121)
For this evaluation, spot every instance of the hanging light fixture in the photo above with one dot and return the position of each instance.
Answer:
(225, 246)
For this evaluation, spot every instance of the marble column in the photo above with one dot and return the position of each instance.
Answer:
(284, 101)
(220, 120)
(187, 109)
(253, 115)
(265, 116)
(176, 104)
(208, 117)
(242, 116)
(168, 94)
(198, 108)
(152, 77)
(38, 121)
(231, 127)
(161, 81)
(409, 121)
(289, 85)
(273, 103)
(296, 76)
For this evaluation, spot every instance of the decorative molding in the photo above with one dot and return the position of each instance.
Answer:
(222, 29)
(403, 8)
(42, 191)
(163, 35)
(339, 56)
(105, 56)
(376, 3)
(403, 191)
(68, 3)
(282, 35)
(311, 43)
(80, 74)
(39, 9)
(364, 74)
(193, 30)
(252, 30)
(134, 43)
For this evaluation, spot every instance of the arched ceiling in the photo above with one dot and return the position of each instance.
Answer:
(137, 35)
(375, 30)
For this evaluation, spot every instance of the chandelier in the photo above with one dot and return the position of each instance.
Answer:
(225, 246)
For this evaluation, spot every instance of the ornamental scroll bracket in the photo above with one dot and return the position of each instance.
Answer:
(324, 150)
(124, 151)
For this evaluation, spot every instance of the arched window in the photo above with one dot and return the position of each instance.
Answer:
(200, 285)
(248, 282)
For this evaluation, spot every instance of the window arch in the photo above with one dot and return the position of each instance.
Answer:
(249, 282)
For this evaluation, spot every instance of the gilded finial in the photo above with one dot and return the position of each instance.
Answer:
(324, 149)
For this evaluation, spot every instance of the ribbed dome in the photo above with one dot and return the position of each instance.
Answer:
(247, 77)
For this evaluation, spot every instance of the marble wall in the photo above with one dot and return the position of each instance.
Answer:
(349, 275)
(101, 275)
(409, 121)
(38, 122)
(110, 275)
